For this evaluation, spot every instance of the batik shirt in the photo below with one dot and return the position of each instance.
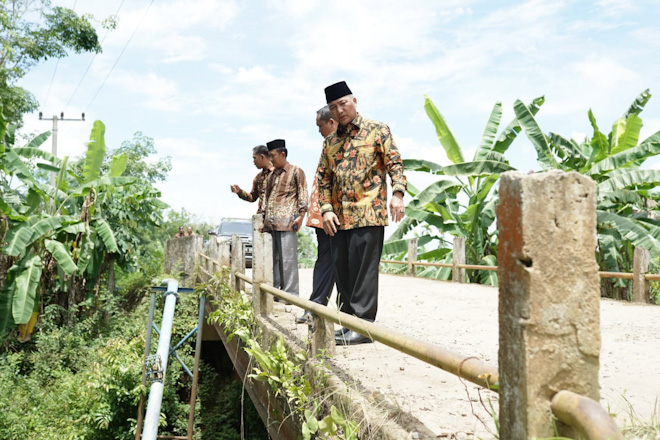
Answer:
(286, 198)
(314, 216)
(258, 190)
(351, 175)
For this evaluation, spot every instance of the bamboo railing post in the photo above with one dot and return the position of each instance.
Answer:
(641, 286)
(262, 267)
(237, 262)
(412, 256)
(457, 273)
(549, 298)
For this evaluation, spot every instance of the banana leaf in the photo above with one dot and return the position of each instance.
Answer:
(435, 189)
(95, 153)
(625, 133)
(62, 256)
(18, 239)
(626, 178)
(118, 165)
(629, 157)
(445, 136)
(638, 104)
(490, 131)
(25, 289)
(479, 168)
(631, 230)
(401, 245)
(422, 165)
(535, 135)
(104, 231)
(511, 131)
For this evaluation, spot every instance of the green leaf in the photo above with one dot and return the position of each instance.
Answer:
(626, 178)
(633, 156)
(422, 165)
(62, 256)
(433, 255)
(511, 131)
(625, 133)
(95, 153)
(25, 289)
(445, 136)
(479, 168)
(38, 140)
(599, 144)
(15, 165)
(48, 167)
(638, 104)
(630, 229)
(6, 300)
(31, 153)
(105, 232)
(535, 135)
(18, 239)
(488, 137)
(437, 188)
(401, 246)
(118, 165)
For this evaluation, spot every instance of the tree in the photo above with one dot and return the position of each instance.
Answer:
(462, 202)
(31, 31)
(626, 196)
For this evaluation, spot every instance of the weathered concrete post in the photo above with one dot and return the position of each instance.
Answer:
(262, 267)
(322, 336)
(237, 262)
(549, 297)
(412, 256)
(641, 286)
(458, 274)
(219, 251)
(181, 256)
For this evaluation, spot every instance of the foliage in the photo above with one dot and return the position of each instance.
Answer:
(462, 202)
(31, 32)
(626, 196)
(306, 247)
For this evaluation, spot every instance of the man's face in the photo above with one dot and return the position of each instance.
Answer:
(278, 158)
(344, 109)
(325, 127)
(261, 161)
(181, 230)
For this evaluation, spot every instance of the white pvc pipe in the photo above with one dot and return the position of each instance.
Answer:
(150, 430)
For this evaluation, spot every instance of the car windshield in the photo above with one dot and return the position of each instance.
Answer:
(239, 228)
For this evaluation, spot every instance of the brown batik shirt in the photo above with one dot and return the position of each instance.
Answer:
(351, 175)
(285, 199)
(258, 189)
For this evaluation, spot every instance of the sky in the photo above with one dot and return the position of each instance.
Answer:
(210, 79)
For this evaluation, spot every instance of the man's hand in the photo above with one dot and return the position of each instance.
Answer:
(235, 189)
(330, 223)
(297, 223)
(397, 208)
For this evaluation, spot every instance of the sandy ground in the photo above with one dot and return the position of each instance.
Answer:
(463, 318)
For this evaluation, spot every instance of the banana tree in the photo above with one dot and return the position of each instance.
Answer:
(52, 239)
(626, 196)
(462, 202)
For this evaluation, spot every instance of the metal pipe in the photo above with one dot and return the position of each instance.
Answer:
(147, 350)
(198, 352)
(467, 367)
(156, 390)
(585, 415)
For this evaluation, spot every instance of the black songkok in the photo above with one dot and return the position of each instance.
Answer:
(275, 144)
(336, 91)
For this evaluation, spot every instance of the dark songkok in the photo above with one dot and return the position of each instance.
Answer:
(336, 91)
(275, 144)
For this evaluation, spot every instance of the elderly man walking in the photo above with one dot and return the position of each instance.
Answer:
(285, 208)
(323, 278)
(353, 199)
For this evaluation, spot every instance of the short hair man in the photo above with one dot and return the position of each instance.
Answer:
(285, 208)
(353, 198)
(190, 231)
(324, 272)
(261, 161)
(181, 233)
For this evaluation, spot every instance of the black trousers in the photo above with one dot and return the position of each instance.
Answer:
(356, 253)
(324, 271)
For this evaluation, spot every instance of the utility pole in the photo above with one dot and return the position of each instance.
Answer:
(54, 135)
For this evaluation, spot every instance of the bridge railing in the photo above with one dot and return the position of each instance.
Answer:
(640, 276)
(549, 332)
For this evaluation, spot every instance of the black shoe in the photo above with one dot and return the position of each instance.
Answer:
(341, 331)
(304, 318)
(352, 338)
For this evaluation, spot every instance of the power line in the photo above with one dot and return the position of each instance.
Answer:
(52, 78)
(93, 58)
(120, 54)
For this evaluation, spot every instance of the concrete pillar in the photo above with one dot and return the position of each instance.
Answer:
(322, 337)
(181, 256)
(549, 316)
(458, 274)
(412, 256)
(237, 262)
(219, 251)
(262, 267)
(641, 286)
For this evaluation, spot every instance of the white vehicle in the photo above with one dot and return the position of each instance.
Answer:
(241, 227)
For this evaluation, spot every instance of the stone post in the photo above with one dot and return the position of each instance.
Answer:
(322, 336)
(549, 316)
(219, 251)
(262, 267)
(181, 256)
(412, 256)
(237, 262)
(457, 273)
(641, 286)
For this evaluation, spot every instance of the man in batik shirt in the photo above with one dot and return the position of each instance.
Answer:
(261, 161)
(353, 199)
(323, 278)
(285, 208)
